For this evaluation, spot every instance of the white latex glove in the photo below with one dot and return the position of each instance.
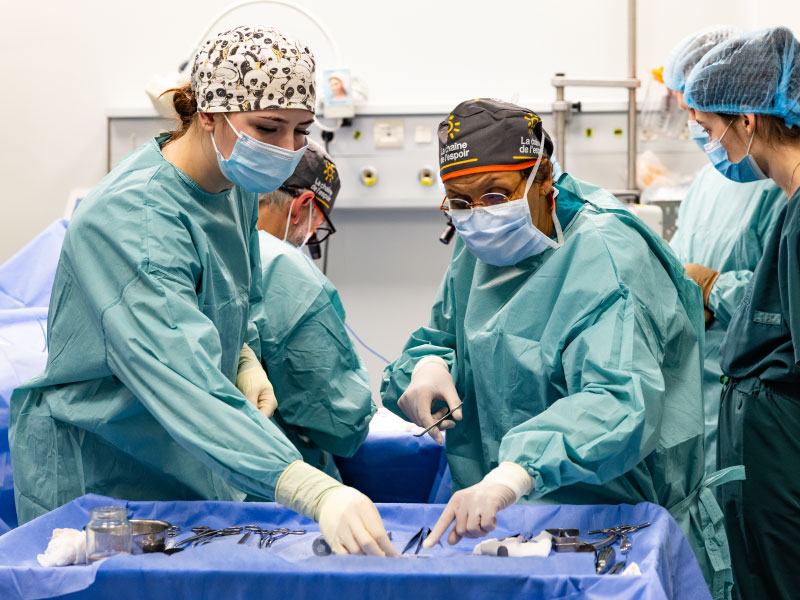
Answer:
(252, 381)
(66, 547)
(348, 519)
(474, 509)
(430, 381)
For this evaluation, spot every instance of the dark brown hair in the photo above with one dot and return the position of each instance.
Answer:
(186, 106)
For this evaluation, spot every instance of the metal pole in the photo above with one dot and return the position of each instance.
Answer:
(561, 130)
(632, 131)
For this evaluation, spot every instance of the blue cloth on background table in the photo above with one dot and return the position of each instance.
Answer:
(25, 283)
(225, 569)
(393, 467)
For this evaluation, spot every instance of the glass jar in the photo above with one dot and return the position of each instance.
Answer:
(108, 533)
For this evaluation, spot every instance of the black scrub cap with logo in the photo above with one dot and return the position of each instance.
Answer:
(485, 135)
(316, 172)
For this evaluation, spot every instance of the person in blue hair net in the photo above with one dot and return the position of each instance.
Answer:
(571, 334)
(723, 225)
(746, 97)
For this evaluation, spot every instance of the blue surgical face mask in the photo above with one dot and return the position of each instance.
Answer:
(256, 166)
(698, 134)
(504, 234)
(745, 171)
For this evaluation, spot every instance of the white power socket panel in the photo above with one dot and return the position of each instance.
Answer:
(389, 133)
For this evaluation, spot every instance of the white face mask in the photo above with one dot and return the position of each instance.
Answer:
(309, 231)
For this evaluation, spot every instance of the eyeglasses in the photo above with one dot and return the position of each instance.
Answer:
(490, 199)
(322, 233)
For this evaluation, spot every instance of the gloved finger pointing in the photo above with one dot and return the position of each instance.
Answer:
(368, 545)
(386, 545)
(441, 526)
(374, 525)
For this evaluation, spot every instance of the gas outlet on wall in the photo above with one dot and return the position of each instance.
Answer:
(368, 176)
(388, 133)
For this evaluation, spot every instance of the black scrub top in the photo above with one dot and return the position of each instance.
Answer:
(763, 338)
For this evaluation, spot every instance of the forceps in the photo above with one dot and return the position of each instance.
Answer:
(417, 539)
(249, 529)
(439, 420)
(282, 532)
(217, 533)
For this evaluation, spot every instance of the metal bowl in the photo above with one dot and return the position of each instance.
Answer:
(149, 535)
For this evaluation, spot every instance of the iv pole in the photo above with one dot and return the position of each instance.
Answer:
(562, 107)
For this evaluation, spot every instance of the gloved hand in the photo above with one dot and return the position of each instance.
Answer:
(704, 277)
(348, 519)
(430, 381)
(474, 509)
(252, 381)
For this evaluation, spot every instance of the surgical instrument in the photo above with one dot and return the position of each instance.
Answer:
(617, 568)
(567, 540)
(320, 547)
(417, 539)
(249, 529)
(620, 529)
(449, 412)
(624, 544)
(604, 560)
(282, 532)
(218, 533)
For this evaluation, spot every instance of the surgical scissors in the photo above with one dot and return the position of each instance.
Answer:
(449, 412)
(250, 529)
(282, 532)
(218, 533)
(203, 534)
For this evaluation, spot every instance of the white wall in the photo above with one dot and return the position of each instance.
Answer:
(68, 62)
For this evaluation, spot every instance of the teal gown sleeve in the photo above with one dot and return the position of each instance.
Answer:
(252, 338)
(167, 352)
(611, 418)
(320, 383)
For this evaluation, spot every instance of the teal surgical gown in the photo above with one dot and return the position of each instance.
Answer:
(723, 225)
(583, 365)
(324, 400)
(151, 304)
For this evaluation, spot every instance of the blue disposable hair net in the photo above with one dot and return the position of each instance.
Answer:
(690, 50)
(757, 72)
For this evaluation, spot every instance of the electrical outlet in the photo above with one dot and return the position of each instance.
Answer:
(388, 133)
